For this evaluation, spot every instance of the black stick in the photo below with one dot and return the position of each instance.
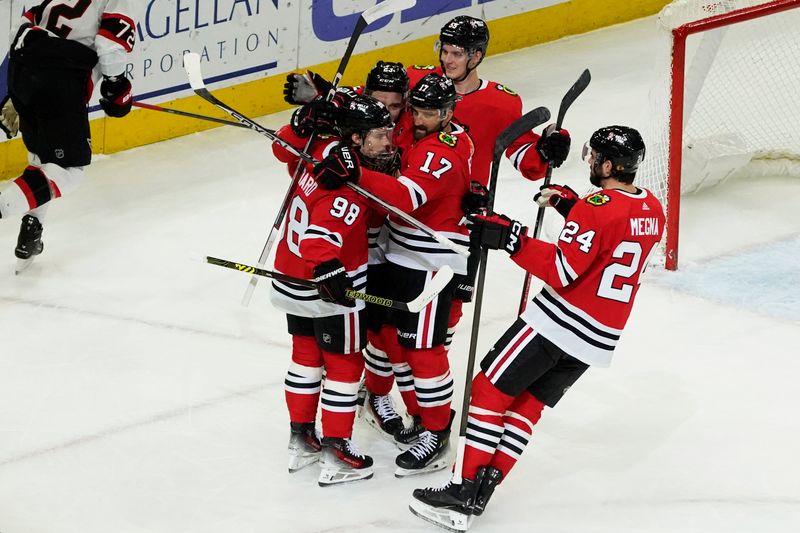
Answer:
(187, 114)
(525, 123)
(572, 94)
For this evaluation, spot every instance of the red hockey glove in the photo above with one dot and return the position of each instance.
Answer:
(553, 145)
(300, 89)
(115, 96)
(9, 118)
(332, 282)
(496, 232)
(561, 197)
(338, 168)
(317, 116)
(476, 200)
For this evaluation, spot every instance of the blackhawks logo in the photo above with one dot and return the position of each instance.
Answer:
(424, 67)
(448, 139)
(598, 199)
(506, 90)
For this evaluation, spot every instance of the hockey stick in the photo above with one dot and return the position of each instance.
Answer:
(572, 94)
(367, 17)
(437, 284)
(152, 107)
(525, 123)
(192, 65)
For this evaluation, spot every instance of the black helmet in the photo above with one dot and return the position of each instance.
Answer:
(387, 76)
(466, 32)
(621, 145)
(361, 114)
(433, 92)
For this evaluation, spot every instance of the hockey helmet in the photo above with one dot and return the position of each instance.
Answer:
(387, 76)
(621, 145)
(466, 32)
(433, 92)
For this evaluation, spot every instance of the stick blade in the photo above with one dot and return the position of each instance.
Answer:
(572, 94)
(191, 64)
(432, 290)
(386, 8)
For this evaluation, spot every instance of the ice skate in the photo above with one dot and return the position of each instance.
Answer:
(406, 437)
(304, 446)
(342, 462)
(29, 242)
(489, 477)
(449, 507)
(379, 413)
(429, 454)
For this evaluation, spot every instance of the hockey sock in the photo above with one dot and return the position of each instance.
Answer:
(433, 385)
(378, 375)
(485, 427)
(340, 393)
(400, 369)
(455, 316)
(518, 423)
(304, 379)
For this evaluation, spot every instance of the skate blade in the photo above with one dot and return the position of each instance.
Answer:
(299, 462)
(370, 420)
(336, 476)
(444, 518)
(22, 265)
(435, 466)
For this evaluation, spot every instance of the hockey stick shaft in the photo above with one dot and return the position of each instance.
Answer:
(367, 17)
(525, 123)
(410, 307)
(572, 94)
(187, 114)
(192, 62)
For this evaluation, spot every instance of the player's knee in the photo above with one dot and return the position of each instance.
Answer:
(305, 351)
(35, 186)
(527, 408)
(63, 180)
(346, 368)
(486, 396)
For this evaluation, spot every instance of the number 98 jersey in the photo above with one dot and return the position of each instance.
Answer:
(592, 273)
(321, 225)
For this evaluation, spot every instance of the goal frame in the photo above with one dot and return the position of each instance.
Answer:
(679, 37)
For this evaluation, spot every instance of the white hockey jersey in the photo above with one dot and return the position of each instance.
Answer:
(105, 26)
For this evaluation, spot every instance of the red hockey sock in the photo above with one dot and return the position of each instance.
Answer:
(433, 384)
(484, 424)
(378, 373)
(518, 423)
(340, 393)
(303, 380)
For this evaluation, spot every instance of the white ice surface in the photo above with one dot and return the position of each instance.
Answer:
(136, 395)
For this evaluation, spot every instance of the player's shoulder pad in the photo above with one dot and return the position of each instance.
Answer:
(502, 88)
(598, 199)
(447, 139)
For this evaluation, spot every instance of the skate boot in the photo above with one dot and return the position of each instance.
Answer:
(429, 454)
(489, 477)
(449, 507)
(405, 438)
(342, 462)
(29, 242)
(379, 413)
(304, 446)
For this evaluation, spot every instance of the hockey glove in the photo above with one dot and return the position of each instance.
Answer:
(317, 116)
(559, 196)
(338, 168)
(300, 89)
(476, 200)
(496, 232)
(332, 282)
(115, 96)
(553, 145)
(9, 118)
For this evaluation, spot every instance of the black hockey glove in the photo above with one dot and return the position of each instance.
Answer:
(496, 232)
(476, 200)
(300, 89)
(317, 116)
(338, 168)
(561, 197)
(553, 145)
(333, 282)
(9, 118)
(115, 96)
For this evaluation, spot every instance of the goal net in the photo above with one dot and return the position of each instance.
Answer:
(725, 102)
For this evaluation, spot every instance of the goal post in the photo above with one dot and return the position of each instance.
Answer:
(724, 102)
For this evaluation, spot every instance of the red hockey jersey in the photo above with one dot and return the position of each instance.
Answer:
(434, 177)
(592, 273)
(320, 225)
(485, 112)
(105, 26)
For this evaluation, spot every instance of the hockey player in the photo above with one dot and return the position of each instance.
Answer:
(434, 177)
(591, 278)
(57, 53)
(326, 240)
